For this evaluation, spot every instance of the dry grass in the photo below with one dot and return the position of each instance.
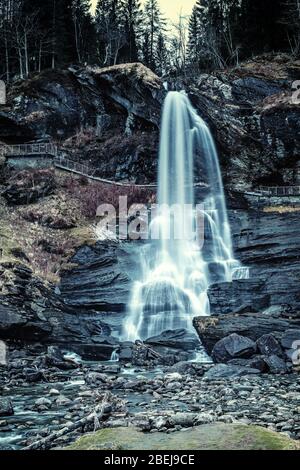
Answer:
(133, 70)
(91, 194)
(281, 209)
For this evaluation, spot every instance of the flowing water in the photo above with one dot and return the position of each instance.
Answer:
(191, 246)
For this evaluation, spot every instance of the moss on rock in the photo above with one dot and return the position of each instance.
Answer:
(217, 436)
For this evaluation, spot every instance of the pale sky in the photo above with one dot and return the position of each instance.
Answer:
(172, 8)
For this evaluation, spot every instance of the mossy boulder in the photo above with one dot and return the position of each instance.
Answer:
(207, 437)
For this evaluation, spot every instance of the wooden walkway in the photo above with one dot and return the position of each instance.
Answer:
(62, 160)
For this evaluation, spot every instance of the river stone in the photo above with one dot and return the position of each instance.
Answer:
(61, 400)
(226, 371)
(185, 420)
(43, 402)
(268, 345)
(233, 346)
(6, 408)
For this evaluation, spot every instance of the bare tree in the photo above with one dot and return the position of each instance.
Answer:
(179, 43)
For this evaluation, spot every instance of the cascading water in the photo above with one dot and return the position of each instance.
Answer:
(176, 269)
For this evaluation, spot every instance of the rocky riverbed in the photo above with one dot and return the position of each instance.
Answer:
(53, 406)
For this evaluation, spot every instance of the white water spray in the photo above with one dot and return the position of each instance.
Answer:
(176, 270)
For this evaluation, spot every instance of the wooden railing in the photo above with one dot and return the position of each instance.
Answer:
(280, 191)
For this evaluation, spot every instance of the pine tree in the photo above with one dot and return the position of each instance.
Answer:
(132, 19)
(154, 25)
(194, 34)
(162, 57)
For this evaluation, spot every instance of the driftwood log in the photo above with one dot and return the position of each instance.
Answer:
(102, 410)
(150, 352)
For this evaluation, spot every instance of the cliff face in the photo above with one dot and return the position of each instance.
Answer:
(110, 117)
(113, 116)
(254, 116)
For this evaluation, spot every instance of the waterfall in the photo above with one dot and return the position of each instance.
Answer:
(177, 270)
(114, 356)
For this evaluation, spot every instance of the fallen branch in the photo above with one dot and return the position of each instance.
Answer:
(151, 351)
(96, 417)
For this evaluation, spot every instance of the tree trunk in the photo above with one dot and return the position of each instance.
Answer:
(26, 54)
(7, 59)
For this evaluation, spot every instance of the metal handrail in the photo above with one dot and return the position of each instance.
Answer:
(280, 190)
(22, 150)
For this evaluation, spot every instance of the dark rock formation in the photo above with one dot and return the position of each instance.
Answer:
(52, 105)
(102, 280)
(254, 119)
(271, 251)
(31, 312)
(250, 325)
(237, 296)
(117, 110)
(232, 347)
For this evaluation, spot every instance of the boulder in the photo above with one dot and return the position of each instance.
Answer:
(268, 346)
(256, 362)
(233, 346)
(42, 404)
(6, 408)
(177, 339)
(226, 371)
(276, 364)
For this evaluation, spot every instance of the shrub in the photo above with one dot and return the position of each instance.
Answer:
(93, 194)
